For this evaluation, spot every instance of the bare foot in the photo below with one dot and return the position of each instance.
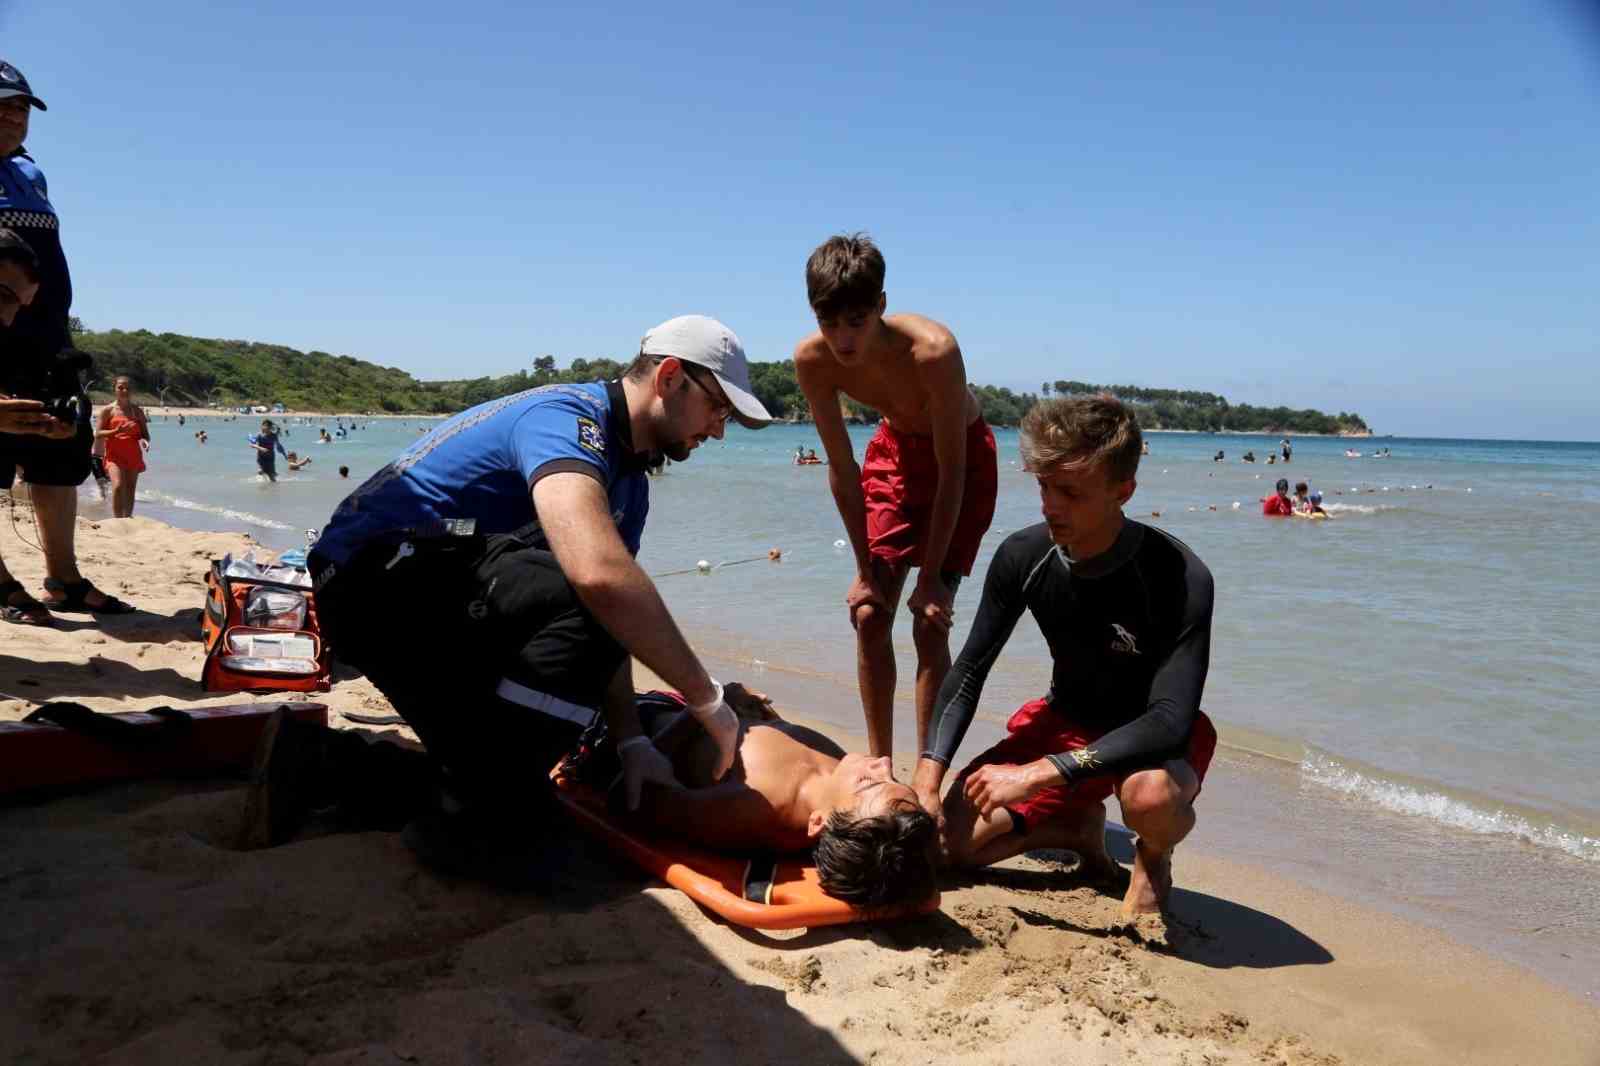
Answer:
(1150, 886)
(1099, 869)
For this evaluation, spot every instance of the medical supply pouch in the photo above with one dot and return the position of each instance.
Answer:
(260, 635)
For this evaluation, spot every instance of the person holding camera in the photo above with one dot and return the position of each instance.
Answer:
(37, 363)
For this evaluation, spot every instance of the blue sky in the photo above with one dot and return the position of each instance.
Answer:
(1382, 207)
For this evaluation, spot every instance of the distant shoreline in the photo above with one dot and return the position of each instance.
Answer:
(212, 412)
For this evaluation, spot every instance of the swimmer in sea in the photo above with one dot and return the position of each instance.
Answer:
(266, 444)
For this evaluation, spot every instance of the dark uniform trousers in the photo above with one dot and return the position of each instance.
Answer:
(438, 624)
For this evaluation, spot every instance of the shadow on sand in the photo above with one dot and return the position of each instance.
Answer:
(1202, 928)
(342, 946)
(44, 680)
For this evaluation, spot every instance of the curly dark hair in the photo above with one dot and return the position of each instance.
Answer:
(878, 861)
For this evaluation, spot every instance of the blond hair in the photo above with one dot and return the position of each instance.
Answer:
(1080, 431)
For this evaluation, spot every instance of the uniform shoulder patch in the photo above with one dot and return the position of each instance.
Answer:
(591, 436)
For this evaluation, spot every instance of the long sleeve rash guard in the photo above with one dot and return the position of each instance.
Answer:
(1129, 633)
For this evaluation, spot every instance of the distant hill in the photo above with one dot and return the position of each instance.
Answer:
(198, 371)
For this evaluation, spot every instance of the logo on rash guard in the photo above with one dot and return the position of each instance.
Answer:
(1123, 641)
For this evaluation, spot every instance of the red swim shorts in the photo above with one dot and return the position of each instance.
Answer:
(898, 479)
(1036, 731)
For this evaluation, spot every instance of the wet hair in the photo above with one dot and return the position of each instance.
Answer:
(13, 249)
(1282, 485)
(344, 471)
(1300, 488)
(878, 861)
(844, 274)
(1080, 431)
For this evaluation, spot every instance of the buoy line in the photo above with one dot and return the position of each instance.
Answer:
(704, 567)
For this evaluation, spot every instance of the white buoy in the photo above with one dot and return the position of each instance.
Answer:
(1235, 505)
(838, 544)
(703, 566)
(1164, 471)
(1469, 490)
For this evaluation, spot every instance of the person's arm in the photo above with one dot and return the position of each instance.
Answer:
(278, 441)
(844, 476)
(102, 430)
(642, 762)
(576, 517)
(945, 379)
(24, 416)
(1162, 729)
(731, 816)
(998, 611)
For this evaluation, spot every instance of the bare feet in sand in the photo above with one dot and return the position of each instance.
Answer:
(1100, 870)
(1150, 886)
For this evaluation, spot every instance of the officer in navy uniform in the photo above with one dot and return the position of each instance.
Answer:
(54, 464)
(485, 581)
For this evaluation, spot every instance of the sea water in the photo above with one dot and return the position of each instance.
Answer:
(1408, 688)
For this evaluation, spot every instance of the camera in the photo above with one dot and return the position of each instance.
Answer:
(72, 410)
(62, 389)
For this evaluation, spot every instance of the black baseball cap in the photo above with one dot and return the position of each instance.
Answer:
(12, 83)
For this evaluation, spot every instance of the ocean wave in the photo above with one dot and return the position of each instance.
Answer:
(222, 512)
(1325, 770)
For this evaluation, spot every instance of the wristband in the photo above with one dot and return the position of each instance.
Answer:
(700, 710)
(632, 742)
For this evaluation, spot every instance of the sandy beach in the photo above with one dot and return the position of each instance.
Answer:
(136, 934)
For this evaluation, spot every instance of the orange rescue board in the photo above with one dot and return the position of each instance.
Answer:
(716, 881)
(38, 755)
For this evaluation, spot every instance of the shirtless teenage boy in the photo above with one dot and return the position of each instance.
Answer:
(925, 492)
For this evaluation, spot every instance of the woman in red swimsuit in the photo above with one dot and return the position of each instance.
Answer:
(126, 432)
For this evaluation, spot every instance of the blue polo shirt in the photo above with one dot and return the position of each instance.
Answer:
(40, 330)
(483, 463)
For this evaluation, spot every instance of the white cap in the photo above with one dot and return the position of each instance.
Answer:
(708, 343)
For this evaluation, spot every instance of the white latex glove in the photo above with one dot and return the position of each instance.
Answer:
(641, 762)
(720, 721)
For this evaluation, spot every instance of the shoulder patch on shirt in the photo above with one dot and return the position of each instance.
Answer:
(591, 436)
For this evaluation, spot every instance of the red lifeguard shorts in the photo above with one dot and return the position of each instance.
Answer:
(899, 476)
(1035, 731)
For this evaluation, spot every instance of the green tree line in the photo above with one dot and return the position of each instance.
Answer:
(176, 369)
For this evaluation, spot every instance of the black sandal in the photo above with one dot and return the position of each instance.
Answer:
(25, 613)
(75, 596)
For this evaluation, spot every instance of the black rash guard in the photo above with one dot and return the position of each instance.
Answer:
(1130, 638)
